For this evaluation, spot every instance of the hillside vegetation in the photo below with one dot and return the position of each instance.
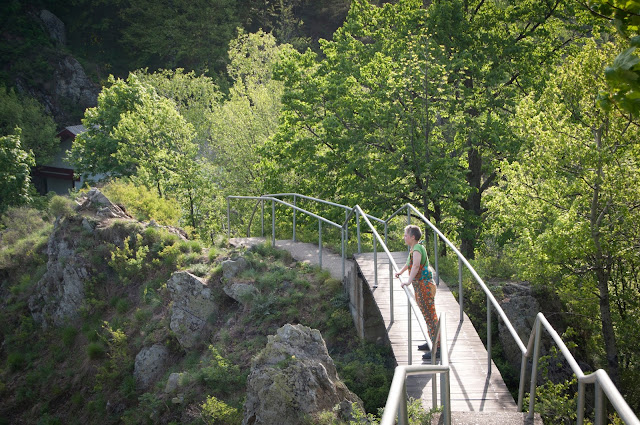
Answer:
(82, 371)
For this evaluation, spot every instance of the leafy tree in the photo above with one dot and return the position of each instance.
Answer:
(15, 168)
(623, 73)
(156, 141)
(571, 198)
(38, 129)
(496, 52)
(358, 124)
(241, 125)
(195, 97)
(93, 152)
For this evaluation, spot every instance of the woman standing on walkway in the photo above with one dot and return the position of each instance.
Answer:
(423, 285)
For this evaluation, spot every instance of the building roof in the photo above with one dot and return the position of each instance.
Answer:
(76, 129)
(71, 131)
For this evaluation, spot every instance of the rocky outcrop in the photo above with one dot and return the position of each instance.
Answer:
(95, 201)
(192, 306)
(59, 295)
(71, 85)
(54, 27)
(291, 377)
(521, 307)
(151, 364)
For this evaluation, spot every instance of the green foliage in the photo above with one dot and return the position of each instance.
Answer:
(15, 168)
(215, 411)
(96, 350)
(61, 206)
(188, 34)
(219, 374)
(623, 73)
(365, 372)
(143, 203)
(119, 362)
(569, 199)
(24, 237)
(130, 261)
(37, 128)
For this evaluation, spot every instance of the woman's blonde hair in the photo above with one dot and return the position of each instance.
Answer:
(414, 231)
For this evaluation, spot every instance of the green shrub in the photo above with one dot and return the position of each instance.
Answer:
(16, 361)
(219, 374)
(366, 371)
(143, 203)
(61, 206)
(216, 411)
(69, 334)
(129, 261)
(96, 350)
(199, 269)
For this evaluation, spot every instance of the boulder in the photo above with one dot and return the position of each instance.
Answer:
(521, 307)
(192, 304)
(241, 292)
(293, 377)
(151, 364)
(174, 382)
(231, 268)
(59, 295)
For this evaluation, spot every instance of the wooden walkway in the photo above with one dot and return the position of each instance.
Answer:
(471, 389)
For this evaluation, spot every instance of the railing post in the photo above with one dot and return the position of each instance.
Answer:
(523, 369)
(391, 286)
(273, 223)
(409, 342)
(358, 231)
(228, 218)
(488, 337)
(262, 220)
(403, 412)
(446, 402)
(320, 242)
(534, 369)
(460, 290)
(581, 391)
(346, 227)
(294, 217)
(599, 407)
(344, 255)
(435, 254)
(375, 262)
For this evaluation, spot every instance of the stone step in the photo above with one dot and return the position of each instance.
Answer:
(488, 418)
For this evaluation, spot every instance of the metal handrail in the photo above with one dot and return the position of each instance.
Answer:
(601, 380)
(397, 399)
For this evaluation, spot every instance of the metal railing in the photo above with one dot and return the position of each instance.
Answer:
(602, 383)
(412, 306)
(397, 400)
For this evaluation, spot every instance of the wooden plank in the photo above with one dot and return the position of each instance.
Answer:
(470, 387)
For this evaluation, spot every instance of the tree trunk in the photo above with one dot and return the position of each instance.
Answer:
(602, 271)
(472, 205)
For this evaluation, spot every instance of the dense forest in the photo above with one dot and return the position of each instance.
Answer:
(512, 124)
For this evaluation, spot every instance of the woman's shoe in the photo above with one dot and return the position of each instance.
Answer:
(424, 347)
(427, 356)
